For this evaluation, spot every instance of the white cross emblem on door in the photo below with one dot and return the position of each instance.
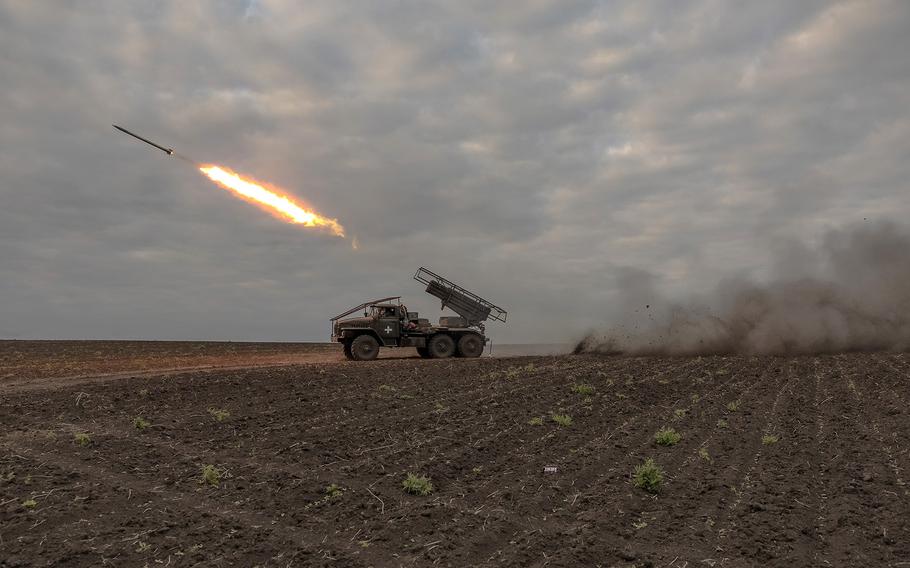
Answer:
(388, 329)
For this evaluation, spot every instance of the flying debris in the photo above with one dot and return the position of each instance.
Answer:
(168, 151)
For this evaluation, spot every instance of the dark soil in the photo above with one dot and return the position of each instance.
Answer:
(831, 491)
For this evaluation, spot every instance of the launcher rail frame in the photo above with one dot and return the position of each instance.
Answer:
(427, 276)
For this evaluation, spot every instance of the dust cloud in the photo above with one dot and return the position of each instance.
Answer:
(851, 292)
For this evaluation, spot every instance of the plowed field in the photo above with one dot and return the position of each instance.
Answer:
(781, 462)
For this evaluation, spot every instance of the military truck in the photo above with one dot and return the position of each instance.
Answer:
(386, 322)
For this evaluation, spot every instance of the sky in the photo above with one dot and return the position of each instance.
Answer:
(537, 152)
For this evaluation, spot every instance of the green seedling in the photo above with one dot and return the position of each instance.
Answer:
(417, 484)
(769, 439)
(211, 475)
(536, 421)
(334, 491)
(29, 503)
(648, 476)
(219, 414)
(82, 439)
(722, 423)
(733, 406)
(680, 413)
(583, 389)
(703, 454)
(667, 437)
(561, 419)
(140, 423)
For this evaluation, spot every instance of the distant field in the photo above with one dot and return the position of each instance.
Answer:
(780, 461)
(19, 359)
(34, 359)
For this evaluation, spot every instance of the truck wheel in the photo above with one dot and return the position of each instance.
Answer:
(423, 352)
(470, 345)
(347, 350)
(364, 348)
(441, 346)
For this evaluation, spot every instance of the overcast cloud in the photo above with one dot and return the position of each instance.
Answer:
(535, 151)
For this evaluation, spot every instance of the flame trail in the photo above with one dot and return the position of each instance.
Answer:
(265, 195)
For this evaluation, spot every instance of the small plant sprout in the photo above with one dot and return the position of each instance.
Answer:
(733, 406)
(561, 419)
(211, 475)
(536, 421)
(82, 439)
(529, 367)
(769, 439)
(29, 503)
(680, 413)
(703, 454)
(648, 476)
(387, 388)
(667, 437)
(417, 484)
(219, 414)
(695, 398)
(440, 408)
(140, 423)
(583, 389)
(722, 423)
(638, 525)
(334, 491)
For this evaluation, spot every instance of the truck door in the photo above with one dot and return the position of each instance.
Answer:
(389, 326)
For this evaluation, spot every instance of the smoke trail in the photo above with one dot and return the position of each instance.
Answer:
(851, 293)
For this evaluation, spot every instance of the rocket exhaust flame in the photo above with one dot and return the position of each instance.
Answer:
(264, 195)
(269, 198)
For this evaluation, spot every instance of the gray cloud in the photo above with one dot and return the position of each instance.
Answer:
(533, 154)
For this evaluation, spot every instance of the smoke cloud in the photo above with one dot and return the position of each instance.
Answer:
(851, 292)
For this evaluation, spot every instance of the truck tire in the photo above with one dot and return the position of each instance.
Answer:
(423, 352)
(364, 348)
(347, 350)
(470, 345)
(441, 346)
